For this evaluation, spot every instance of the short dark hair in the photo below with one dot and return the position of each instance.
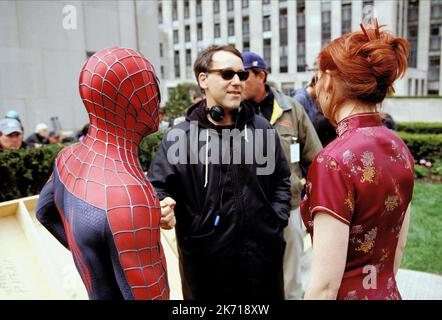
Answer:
(259, 70)
(204, 59)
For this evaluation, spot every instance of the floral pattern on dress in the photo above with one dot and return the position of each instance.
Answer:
(368, 172)
(403, 155)
(349, 201)
(367, 131)
(369, 240)
(357, 229)
(351, 295)
(391, 202)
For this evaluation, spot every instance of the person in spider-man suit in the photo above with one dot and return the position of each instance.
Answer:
(97, 202)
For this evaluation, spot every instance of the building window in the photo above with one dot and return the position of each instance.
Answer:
(267, 46)
(199, 31)
(436, 9)
(230, 5)
(245, 26)
(199, 10)
(161, 49)
(300, 18)
(244, 3)
(412, 39)
(174, 11)
(217, 30)
(326, 22)
(162, 71)
(435, 36)
(175, 36)
(346, 18)
(187, 33)
(265, 1)
(176, 59)
(283, 59)
(188, 58)
(160, 13)
(266, 23)
(231, 27)
(413, 11)
(246, 46)
(215, 6)
(186, 9)
(367, 3)
(433, 70)
(283, 41)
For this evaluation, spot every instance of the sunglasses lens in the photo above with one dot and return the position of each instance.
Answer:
(227, 74)
(243, 75)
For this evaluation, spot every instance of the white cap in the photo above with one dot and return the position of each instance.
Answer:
(41, 126)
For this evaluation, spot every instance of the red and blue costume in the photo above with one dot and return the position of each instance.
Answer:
(98, 202)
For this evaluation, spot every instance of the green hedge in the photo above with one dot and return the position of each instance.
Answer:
(420, 127)
(24, 172)
(423, 146)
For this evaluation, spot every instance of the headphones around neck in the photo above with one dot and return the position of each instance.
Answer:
(218, 115)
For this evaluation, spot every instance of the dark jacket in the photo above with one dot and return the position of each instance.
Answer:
(240, 257)
(326, 132)
(35, 138)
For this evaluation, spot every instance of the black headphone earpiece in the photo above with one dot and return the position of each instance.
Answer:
(216, 113)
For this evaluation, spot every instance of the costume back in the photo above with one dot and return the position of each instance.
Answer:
(98, 202)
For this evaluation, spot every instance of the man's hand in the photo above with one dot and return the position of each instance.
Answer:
(167, 214)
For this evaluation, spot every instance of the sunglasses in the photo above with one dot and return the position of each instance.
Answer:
(228, 74)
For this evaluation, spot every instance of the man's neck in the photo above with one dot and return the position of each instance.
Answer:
(262, 94)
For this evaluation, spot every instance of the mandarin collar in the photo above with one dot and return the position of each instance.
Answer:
(360, 120)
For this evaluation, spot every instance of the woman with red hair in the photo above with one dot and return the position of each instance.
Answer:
(360, 186)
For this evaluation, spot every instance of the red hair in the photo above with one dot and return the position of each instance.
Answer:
(364, 66)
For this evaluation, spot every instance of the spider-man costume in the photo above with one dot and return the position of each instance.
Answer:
(98, 202)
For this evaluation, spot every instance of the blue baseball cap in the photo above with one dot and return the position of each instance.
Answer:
(253, 60)
(12, 114)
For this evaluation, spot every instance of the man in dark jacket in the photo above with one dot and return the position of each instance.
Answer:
(231, 204)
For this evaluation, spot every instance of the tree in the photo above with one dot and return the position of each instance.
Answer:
(180, 99)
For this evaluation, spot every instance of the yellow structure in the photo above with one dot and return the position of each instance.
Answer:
(34, 265)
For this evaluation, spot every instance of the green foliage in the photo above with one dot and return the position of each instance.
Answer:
(423, 250)
(437, 168)
(180, 99)
(420, 171)
(24, 172)
(423, 146)
(148, 147)
(420, 127)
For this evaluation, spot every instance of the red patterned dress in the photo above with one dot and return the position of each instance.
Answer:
(364, 178)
